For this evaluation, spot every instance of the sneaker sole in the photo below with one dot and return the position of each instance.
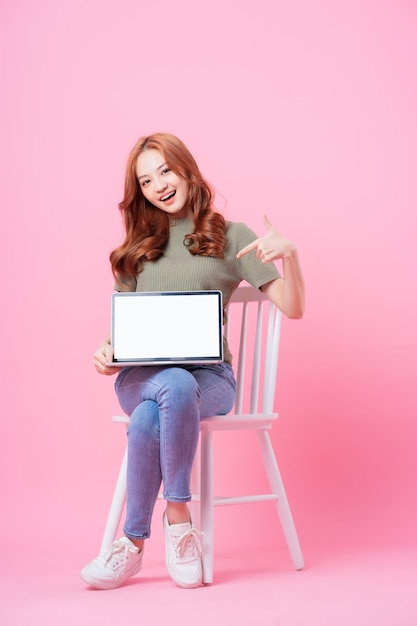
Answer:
(110, 584)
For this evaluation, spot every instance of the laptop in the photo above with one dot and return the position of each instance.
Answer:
(167, 328)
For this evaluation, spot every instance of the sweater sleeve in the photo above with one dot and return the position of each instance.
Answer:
(125, 284)
(248, 267)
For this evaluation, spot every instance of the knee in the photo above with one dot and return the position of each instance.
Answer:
(144, 421)
(181, 386)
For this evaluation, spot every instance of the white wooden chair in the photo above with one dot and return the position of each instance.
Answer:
(257, 361)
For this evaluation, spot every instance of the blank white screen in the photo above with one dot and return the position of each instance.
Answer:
(167, 326)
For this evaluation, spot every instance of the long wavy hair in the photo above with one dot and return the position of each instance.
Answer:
(147, 227)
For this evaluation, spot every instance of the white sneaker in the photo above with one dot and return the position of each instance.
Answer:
(183, 554)
(110, 570)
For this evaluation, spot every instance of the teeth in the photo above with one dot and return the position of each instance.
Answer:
(168, 196)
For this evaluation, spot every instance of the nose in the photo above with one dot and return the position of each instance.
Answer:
(160, 184)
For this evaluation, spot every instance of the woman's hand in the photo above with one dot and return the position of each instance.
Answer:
(270, 247)
(103, 356)
(287, 293)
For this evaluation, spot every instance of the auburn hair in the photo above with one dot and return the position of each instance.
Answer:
(147, 227)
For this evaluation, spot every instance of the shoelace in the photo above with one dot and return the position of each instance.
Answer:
(117, 552)
(188, 543)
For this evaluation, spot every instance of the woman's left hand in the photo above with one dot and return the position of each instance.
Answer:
(270, 247)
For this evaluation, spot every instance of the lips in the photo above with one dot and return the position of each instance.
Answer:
(168, 196)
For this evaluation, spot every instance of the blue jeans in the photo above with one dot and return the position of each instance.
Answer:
(165, 405)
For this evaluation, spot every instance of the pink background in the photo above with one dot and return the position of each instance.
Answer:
(303, 110)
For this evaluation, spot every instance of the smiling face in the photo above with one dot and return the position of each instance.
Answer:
(161, 186)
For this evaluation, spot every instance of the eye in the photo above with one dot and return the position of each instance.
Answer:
(166, 170)
(145, 182)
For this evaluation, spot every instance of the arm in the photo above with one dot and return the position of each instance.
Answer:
(104, 355)
(286, 293)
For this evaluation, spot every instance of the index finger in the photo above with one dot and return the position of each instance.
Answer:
(248, 248)
(267, 223)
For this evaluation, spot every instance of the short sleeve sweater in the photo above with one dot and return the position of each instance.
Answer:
(178, 270)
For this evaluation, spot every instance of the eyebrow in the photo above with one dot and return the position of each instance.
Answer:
(158, 168)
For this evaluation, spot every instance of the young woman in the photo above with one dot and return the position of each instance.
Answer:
(176, 241)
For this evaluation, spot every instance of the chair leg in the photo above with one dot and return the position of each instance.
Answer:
(283, 507)
(195, 490)
(116, 507)
(207, 504)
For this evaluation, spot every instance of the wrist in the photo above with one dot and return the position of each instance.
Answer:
(290, 253)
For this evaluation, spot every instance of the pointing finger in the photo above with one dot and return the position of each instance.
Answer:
(247, 248)
(268, 224)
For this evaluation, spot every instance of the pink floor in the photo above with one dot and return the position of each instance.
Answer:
(351, 585)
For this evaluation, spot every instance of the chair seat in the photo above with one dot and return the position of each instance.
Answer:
(247, 421)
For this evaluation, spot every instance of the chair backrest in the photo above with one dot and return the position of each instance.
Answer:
(255, 351)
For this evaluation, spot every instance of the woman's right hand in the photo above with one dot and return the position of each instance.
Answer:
(103, 356)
